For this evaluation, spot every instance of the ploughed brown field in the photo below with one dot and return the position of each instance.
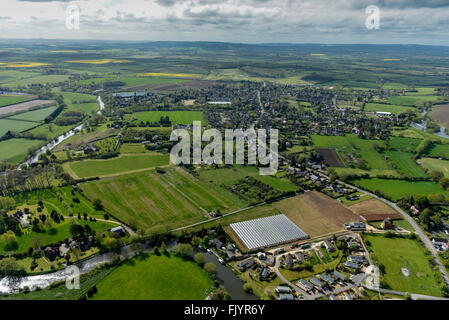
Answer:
(316, 213)
(194, 84)
(374, 210)
(331, 157)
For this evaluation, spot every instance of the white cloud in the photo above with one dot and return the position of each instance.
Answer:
(230, 20)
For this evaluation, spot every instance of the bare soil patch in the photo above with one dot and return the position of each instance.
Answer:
(316, 213)
(330, 157)
(374, 210)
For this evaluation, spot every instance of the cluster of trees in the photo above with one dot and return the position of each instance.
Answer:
(70, 118)
(256, 189)
(31, 178)
(431, 217)
(185, 250)
(8, 223)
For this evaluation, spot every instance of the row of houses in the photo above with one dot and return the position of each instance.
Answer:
(325, 281)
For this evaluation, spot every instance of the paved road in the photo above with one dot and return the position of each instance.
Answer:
(306, 295)
(429, 245)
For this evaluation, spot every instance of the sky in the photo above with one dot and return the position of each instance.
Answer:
(245, 21)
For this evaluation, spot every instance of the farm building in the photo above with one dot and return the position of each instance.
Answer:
(267, 232)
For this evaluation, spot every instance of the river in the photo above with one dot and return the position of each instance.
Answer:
(422, 126)
(60, 139)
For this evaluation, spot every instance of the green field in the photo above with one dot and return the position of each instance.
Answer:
(9, 99)
(411, 100)
(435, 164)
(15, 125)
(438, 151)
(132, 148)
(41, 79)
(15, 150)
(142, 81)
(155, 278)
(330, 141)
(394, 109)
(404, 144)
(351, 146)
(230, 176)
(50, 131)
(405, 164)
(122, 164)
(156, 201)
(176, 117)
(397, 188)
(421, 91)
(35, 115)
(397, 253)
(80, 102)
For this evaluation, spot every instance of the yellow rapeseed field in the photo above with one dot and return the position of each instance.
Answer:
(22, 64)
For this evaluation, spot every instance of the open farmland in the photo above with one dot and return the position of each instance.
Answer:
(316, 213)
(170, 278)
(80, 102)
(119, 165)
(437, 150)
(176, 117)
(156, 201)
(405, 164)
(435, 164)
(379, 107)
(357, 154)
(373, 210)
(404, 144)
(23, 106)
(50, 131)
(412, 100)
(397, 188)
(15, 125)
(15, 150)
(397, 253)
(6, 100)
(331, 157)
(230, 176)
(39, 79)
(35, 115)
